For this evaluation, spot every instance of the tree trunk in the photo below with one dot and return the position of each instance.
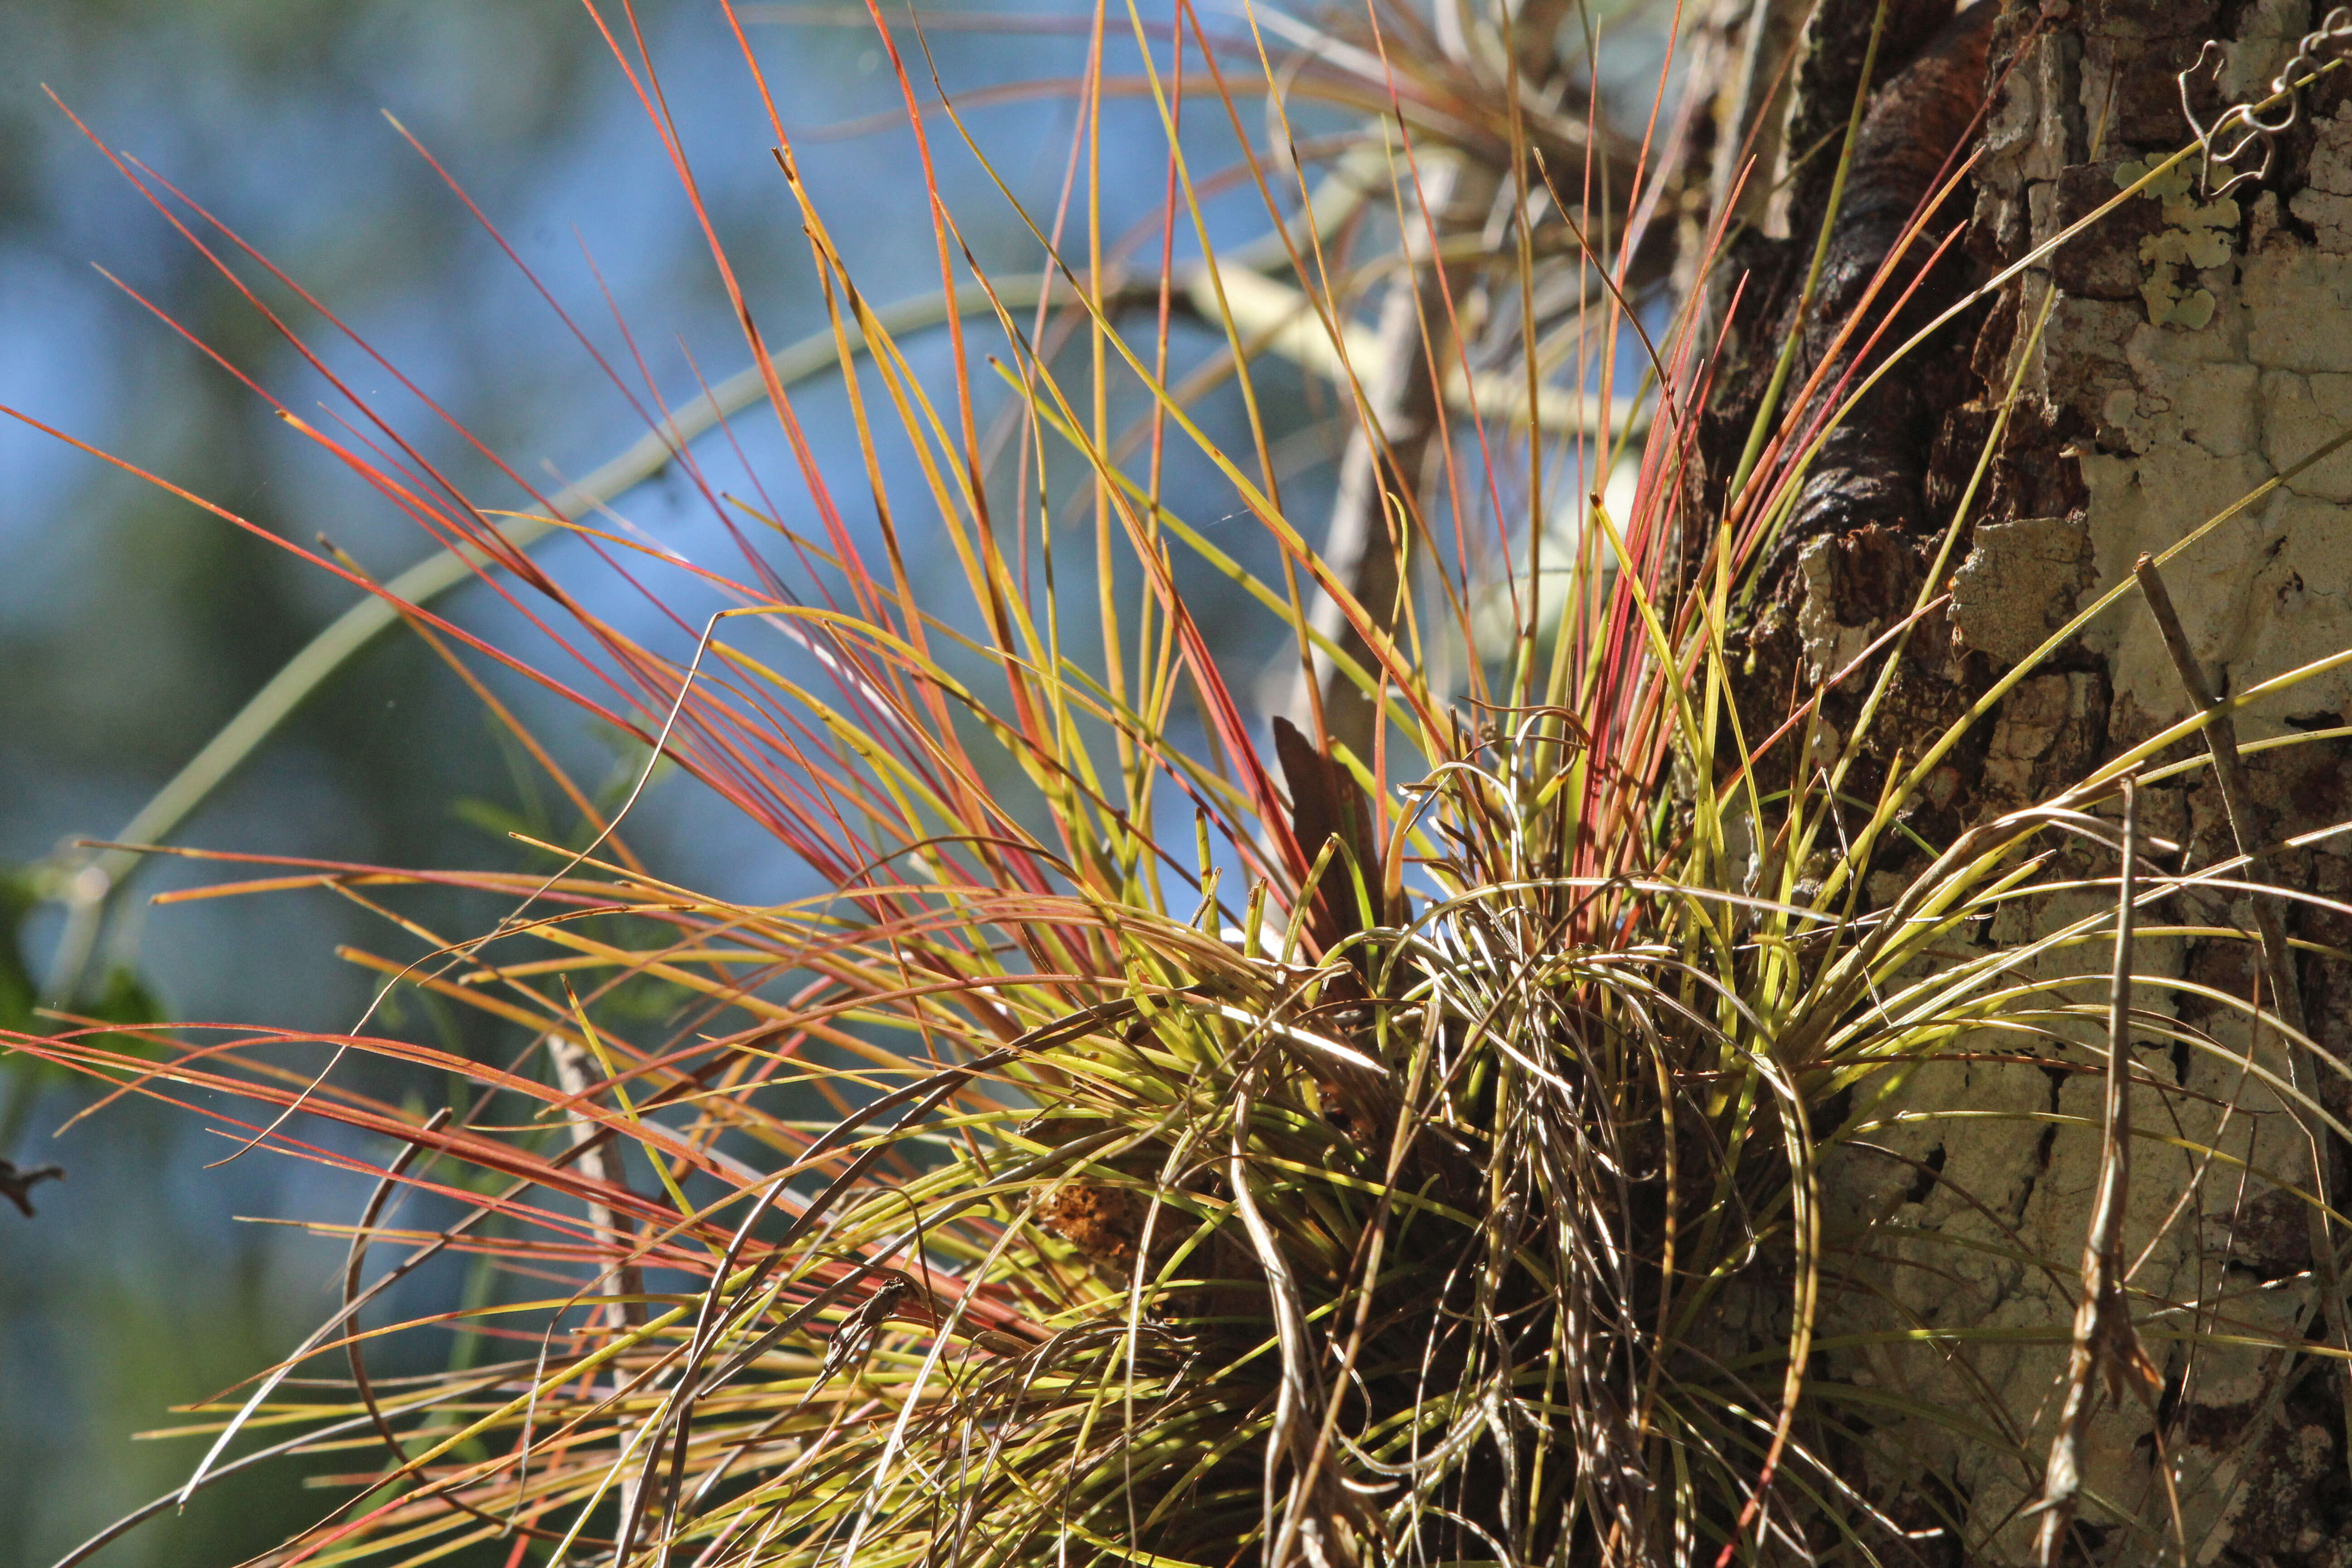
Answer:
(2193, 347)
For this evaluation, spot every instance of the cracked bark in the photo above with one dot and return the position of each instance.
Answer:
(2193, 350)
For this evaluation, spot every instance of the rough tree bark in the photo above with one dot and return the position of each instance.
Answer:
(2193, 347)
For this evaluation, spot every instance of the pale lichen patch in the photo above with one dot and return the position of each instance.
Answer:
(2196, 238)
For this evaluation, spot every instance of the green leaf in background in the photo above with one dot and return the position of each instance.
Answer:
(123, 999)
(17, 992)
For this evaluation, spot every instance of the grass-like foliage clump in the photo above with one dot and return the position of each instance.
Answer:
(1175, 1140)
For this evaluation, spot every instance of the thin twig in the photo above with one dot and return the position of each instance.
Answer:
(2237, 792)
(17, 1180)
(627, 1309)
(2104, 1341)
(2287, 993)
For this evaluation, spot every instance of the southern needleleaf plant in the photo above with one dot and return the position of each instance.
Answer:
(1174, 1136)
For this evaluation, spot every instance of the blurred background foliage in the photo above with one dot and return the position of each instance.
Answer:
(132, 625)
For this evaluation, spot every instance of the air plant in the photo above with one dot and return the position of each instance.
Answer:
(1168, 1138)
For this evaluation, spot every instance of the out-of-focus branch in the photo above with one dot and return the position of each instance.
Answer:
(1368, 544)
(1272, 317)
(1275, 318)
(1754, 111)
